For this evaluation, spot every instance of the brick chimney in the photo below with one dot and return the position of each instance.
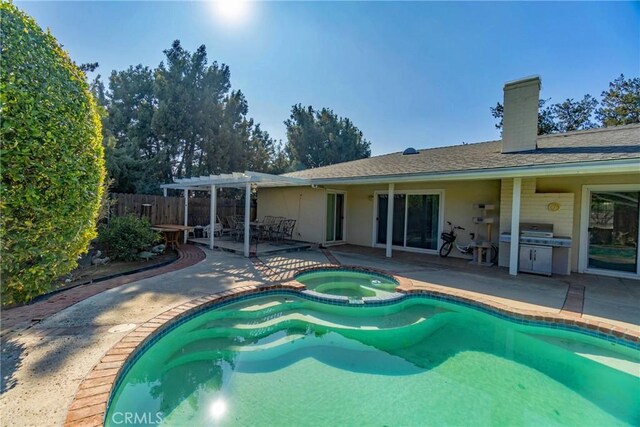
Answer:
(520, 121)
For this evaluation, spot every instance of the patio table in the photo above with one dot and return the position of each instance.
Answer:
(171, 233)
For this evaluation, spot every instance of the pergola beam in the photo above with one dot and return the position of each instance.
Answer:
(247, 218)
(236, 179)
(211, 183)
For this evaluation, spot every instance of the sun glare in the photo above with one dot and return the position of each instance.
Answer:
(218, 408)
(232, 11)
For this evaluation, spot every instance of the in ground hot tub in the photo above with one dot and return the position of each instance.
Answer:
(349, 283)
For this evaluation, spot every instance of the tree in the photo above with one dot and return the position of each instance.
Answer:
(620, 105)
(52, 159)
(573, 115)
(134, 155)
(321, 138)
(190, 95)
(178, 120)
(88, 66)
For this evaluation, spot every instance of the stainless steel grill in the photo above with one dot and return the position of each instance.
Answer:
(536, 230)
(538, 234)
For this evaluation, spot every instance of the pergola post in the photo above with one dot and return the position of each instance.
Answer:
(390, 219)
(186, 213)
(213, 216)
(164, 192)
(247, 217)
(515, 227)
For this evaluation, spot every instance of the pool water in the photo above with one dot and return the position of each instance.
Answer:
(353, 284)
(284, 360)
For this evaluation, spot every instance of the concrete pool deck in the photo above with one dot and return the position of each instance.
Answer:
(43, 365)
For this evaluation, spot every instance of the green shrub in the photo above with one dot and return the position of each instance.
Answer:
(51, 159)
(125, 236)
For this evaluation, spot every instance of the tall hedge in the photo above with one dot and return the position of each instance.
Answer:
(51, 159)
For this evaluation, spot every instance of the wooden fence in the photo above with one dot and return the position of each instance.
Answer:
(170, 210)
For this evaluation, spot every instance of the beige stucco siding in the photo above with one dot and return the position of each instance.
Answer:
(459, 198)
(304, 204)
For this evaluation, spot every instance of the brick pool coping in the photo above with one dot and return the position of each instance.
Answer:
(90, 402)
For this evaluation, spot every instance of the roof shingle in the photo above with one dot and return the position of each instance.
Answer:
(613, 143)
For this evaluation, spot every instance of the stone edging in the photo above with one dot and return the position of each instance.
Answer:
(90, 402)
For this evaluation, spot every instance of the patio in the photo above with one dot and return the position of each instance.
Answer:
(44, 364)
(255, 248)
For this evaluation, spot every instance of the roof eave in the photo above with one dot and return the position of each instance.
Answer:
(576, 168)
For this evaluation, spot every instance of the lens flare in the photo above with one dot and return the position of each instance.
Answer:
(218, 408)
(232, 11)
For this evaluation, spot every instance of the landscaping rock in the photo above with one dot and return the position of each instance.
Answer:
(146, 255)
(100, 261)
(159, 249)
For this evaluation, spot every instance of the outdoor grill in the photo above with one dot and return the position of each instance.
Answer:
(538, 234)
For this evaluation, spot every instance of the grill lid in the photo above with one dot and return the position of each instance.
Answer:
(528, 229)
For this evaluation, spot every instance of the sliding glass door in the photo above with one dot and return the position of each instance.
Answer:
(335, 217)
(416, 220)
(613, 231)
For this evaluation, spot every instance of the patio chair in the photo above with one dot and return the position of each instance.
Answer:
(271, 231)
(217, 230)
(285, 230)
(225, 228)
(265, 227)
(237, 227)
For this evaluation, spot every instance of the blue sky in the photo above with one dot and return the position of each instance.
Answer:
(419, 74)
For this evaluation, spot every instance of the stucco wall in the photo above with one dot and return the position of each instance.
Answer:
(307, 206)
(304, 204)
(553, 187)
(459, 198)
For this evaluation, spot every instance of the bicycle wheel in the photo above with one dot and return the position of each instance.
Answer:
(494, 254)
(445, 249)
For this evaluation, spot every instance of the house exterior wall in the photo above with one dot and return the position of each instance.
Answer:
(308, 205)
(459, 198)
(567, 192)
(304, 204)
(534, 207)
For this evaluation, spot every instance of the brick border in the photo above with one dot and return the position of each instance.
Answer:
(564, 317)
(332, 259)
(90, 402)
(574, 300)
(23, 317)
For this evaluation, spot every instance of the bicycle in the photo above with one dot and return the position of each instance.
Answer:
(450, 239)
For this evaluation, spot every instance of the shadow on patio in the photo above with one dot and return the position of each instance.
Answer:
(605, 298)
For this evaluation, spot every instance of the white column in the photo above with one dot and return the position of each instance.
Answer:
(390, 219)
(515, 227)
(247, 217)
(164, 192)
(212, 216)
(186, 213)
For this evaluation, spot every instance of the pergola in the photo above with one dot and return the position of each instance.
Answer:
(211, 183)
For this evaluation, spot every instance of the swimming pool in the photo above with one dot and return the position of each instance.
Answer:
(349, 283)
(284, 359)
